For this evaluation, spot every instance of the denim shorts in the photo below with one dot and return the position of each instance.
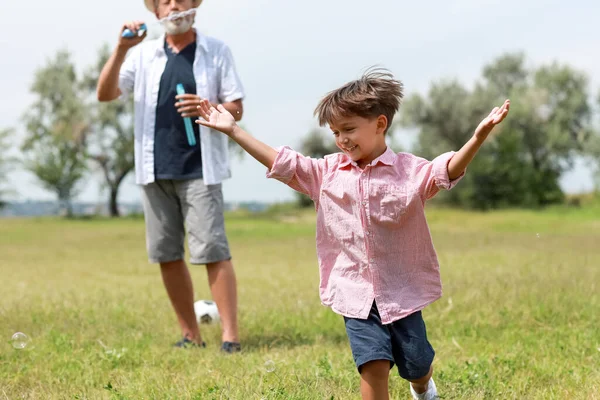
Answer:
(403, 342)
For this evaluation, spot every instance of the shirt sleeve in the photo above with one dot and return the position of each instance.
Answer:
(127, 73)
(230, 88)
(432, 176)
(301, 173)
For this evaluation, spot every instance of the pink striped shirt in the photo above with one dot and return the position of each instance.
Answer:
(373, 242)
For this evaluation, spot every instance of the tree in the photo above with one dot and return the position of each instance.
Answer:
(6, 163)
(57, 126)
(314, 145)
(593, 150)
(111, 144)
(548, 126)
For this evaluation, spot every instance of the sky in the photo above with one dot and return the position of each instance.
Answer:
(290, 53)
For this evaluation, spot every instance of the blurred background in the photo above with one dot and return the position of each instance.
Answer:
(519, 315)
(62, 152)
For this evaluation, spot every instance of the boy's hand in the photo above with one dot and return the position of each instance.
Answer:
(217, 118)
(496, 116)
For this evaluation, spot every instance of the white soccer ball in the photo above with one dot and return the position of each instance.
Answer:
(206, 312)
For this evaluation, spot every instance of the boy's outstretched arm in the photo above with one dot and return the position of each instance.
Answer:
(464, 156)
(220, 119)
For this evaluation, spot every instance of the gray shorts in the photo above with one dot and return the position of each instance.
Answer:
(174, 207)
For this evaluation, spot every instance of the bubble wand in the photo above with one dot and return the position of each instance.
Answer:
(187, 121)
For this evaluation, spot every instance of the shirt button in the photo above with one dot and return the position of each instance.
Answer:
(365, 202)
(372, 260)
(368, 233)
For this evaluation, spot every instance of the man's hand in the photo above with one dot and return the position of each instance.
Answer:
(127, 43)
(216, 118)
(187, 104)
(496, 116)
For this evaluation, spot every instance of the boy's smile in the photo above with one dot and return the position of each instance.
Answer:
(362, 139)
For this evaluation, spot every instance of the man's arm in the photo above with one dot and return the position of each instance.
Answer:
(108, 81)
(465, 155)
(235, 108)
(231, 91)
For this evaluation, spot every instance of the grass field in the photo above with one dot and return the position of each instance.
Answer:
(520, 315)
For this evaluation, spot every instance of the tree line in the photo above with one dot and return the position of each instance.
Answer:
(553, 121)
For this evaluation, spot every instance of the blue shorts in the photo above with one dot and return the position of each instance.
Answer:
(403, 342)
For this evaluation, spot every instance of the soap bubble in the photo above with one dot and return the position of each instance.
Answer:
(19, 340)
(269, 366)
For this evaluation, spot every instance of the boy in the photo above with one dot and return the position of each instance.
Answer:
(378, 267)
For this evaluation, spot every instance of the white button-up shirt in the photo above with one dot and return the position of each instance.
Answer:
(216, 81)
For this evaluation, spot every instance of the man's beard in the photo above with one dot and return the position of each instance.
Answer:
(179, 22)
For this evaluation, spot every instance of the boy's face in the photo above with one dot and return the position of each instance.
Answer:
(362, 139)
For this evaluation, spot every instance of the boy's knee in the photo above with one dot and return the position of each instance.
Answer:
(377, 369)
(420, 380)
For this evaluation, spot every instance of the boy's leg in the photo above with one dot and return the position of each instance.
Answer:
(374, 380)
(203, 209)
(371, 346)
(165, 234)
(413, 354)
(421, 385)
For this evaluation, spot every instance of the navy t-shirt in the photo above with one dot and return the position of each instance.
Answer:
(174, 158)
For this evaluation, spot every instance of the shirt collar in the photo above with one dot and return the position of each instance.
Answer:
(387, 158)
(201, 42)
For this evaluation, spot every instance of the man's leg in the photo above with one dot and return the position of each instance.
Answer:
(180, 289)
(165, 234)
(222, 281)
(203, 209)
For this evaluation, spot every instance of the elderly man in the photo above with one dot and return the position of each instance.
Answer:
(179, 168)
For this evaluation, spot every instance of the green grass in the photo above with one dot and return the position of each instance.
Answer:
(519, 317)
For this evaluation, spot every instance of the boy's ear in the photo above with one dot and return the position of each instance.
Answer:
(382, 124)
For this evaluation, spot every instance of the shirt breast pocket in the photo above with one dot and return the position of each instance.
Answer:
(392, 204)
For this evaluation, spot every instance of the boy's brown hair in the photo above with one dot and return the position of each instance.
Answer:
(374, 94)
